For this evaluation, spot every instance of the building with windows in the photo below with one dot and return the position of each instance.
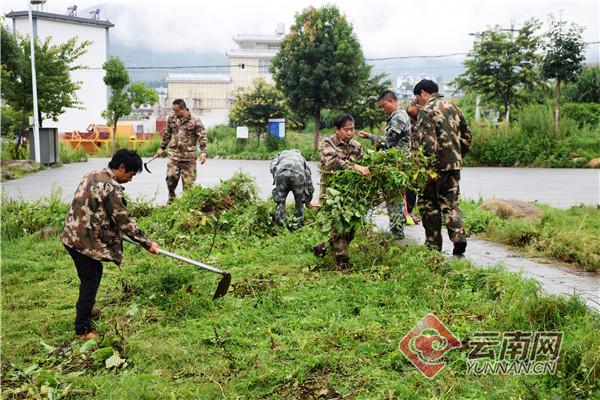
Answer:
(93, 94)
(210, 96)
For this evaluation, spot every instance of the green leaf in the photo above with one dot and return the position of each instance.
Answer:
(30, 369)
(103, 354)
(87, 346)
(114, 361)
(48, 348)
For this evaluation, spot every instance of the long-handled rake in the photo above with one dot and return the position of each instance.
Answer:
(223, 286)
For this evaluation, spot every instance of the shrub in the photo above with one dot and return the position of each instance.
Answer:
(532, 140)
(582, 113)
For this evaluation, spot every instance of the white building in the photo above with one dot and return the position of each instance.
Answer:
(210, 96)
(93, 94)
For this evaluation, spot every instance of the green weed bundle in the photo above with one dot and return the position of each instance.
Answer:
(349, 195)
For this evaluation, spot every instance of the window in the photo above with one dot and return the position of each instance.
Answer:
(263, 66)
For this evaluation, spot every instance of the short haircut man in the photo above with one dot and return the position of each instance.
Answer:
(426, 85)
(388, 94)
(129, 158)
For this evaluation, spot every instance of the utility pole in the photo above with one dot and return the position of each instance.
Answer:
(36, 122)
(512, 31)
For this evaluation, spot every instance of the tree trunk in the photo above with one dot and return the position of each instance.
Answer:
(317, 130)
(114, 136)
(557, 110)
(21, 132)
(507, 108)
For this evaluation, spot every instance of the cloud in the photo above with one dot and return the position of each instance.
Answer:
(384, 27)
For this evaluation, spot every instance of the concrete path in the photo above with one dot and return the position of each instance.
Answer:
(554, 277)
(557, 187)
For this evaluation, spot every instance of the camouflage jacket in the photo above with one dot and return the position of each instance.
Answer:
(337, 154)
(98, 217)
(182, 137)
(443, 131)
(414, 139)
(292, 160)
(397, 132)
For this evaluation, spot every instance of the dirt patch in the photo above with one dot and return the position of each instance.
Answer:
(512, 208)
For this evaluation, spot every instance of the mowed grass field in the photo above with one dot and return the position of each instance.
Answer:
(291, 327)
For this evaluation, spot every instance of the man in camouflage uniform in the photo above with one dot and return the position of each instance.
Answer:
(291, 173)
(340, 152)
(94, 227)
(411, 197)
(397, 134)
(443, 132)
(182, 135)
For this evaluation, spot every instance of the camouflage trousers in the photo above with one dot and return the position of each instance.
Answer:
(341, 246)
(396, 215)
(176, 170)
(286, 182)
(440, 197)
(340, 243)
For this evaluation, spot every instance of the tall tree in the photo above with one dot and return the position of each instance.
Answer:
(500, 63)
(121, 96)
(53, 63)
(320, 63)
(563, 57)
(255, 106)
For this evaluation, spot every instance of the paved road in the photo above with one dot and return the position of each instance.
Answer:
(557, 187)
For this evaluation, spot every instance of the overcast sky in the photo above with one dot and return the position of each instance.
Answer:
(384, 27)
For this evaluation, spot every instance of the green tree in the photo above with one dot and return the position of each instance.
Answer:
(255, 106)
(10, 52)
(121, 96)
(563, 57)
(320, 63)
(56, 90)
(499, 64)
(586, 88)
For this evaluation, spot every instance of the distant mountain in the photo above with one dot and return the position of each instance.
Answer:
(137, 53)
(136, 56)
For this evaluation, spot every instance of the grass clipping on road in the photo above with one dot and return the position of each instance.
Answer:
(291, 326)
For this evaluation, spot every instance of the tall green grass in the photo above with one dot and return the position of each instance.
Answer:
(570, 235)
(533, 141)
(67, 155)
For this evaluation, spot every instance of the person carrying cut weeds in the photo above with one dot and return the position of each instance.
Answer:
(340, 152)
(94, 228)
(397, 134)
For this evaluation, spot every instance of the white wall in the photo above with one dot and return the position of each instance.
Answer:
(93, 94)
